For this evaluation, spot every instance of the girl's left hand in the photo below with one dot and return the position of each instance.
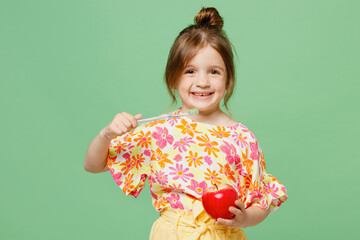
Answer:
(240, 218)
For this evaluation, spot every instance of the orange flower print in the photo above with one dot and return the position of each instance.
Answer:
(194, 159)
(128, 187)
(151, 124)
(160, 204)
(128, 138)
(227, 171)
(248, 163)
(262, 162)
(220, 132)
(248, 181)
(209, 146)
(126, 166)
(111, 160)
(187, 128)
(137, 160)
(160, 157)
(212, 176)
(143, 139)
(120, 146)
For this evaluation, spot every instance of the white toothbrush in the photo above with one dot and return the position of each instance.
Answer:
(191, 112)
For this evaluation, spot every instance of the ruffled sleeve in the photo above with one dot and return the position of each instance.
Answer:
(259, 188)
(129, 160)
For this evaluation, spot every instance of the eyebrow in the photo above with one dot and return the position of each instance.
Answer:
(211, 66)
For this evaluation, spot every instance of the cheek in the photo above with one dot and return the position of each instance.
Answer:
(221, 87)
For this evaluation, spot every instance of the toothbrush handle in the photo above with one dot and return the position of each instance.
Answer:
(151, 119)
(161, 117)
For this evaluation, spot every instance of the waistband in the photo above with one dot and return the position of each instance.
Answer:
(198, 222)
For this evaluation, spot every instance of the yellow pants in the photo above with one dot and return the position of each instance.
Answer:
(176, 224)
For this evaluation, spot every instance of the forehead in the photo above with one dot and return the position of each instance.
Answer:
(206, 56)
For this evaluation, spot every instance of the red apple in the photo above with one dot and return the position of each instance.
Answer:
(217, 200)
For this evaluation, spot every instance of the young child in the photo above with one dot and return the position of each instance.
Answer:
(183, 156)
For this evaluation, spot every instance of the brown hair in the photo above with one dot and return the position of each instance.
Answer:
(207, 30)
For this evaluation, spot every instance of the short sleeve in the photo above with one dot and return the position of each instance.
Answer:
(261, 189)
(129, 160)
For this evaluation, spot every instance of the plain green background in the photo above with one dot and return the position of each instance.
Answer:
(67, 67)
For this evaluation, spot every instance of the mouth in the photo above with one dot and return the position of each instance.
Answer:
(202, 94)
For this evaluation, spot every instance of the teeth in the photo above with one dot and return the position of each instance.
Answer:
(201, 94)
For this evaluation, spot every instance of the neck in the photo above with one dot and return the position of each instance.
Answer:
(212, 117)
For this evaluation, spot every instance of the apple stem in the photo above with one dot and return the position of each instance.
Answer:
(216, 186)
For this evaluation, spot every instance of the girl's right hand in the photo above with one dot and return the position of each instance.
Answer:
(121, 124)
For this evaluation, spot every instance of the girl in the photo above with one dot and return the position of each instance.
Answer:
(183, 156)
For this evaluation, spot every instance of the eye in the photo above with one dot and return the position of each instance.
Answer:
(214, 72)
(189, 71)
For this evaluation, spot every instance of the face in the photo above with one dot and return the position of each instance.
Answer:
(202, 84)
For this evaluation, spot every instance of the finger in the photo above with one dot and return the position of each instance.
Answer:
(121, 129)
(138, 116)
(126, 123)
(225, 222)
(235, 210)
(132, 120)
(240, 204)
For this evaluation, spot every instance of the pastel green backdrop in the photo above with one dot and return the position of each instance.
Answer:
(67, 67)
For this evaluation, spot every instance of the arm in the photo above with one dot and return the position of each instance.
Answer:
(244, 217)
(96, 155)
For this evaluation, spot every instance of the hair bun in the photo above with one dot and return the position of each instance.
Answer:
(209, 17)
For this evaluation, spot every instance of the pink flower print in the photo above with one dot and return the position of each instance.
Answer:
(198, 188)
(230, 151)
(283, 189)
(117, 177)
(234, 127)
(208, 160)
(241, 170)
(177, 188)
(238, 187)
(254, 151)
(263, 204)
(147, 152)
(240, 139)
(162, 136)
(256, 194)
(126, 156)
(136, 193)
(161, 177)
(179, 172)
(172, 121)
(272, 190)
(174, 201)
(183, 143)
(245, 129)
(178, 158)
(153, 195)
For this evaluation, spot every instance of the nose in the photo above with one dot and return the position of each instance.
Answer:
(203, 81)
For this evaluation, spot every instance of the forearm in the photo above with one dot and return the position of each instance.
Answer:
(255, 215)
(96, 155)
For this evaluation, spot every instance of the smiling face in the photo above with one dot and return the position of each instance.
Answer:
(202, 84)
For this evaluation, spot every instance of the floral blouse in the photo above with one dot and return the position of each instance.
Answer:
(181, 158)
